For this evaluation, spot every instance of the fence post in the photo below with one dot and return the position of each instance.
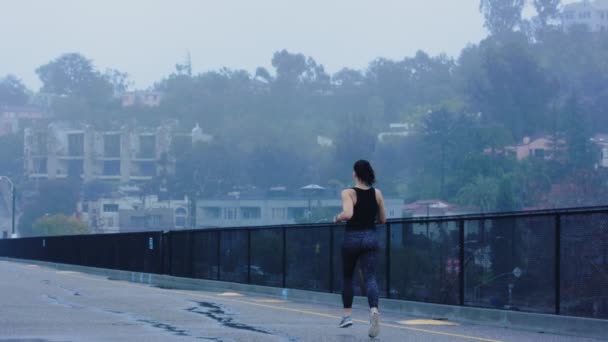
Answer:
(558, 234)
(284, 257)
(461, 238)
(331, 259)
(248, 255)
(388, 260)
(160, 258)
(219, 253)
(190, 260)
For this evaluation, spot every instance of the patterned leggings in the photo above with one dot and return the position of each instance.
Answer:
(359, 246)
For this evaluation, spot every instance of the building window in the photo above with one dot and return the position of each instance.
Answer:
(41, 144)
(251, 213)
(76, 145)
(155, 221)
(138, 221)
(295, 213)
(110, 208)
(111, 168)
(85, 207)
(230, 213)
(279, 213)
(148, 169)
(110, 222)
(40, 165)
(213, 213)
(180, 217)
(75, 168)
(539, 153)
(147, 146)
(111, 145)
(180, 221)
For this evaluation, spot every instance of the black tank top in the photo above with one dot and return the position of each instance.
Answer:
(365, 211)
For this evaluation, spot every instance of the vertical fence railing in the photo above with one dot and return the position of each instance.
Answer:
(284, 257)
(219, 254)
(248, 256)
(558, 239)
(388, 260)
(461, 259)
(331, 259)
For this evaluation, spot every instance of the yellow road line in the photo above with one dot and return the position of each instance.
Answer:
(282, 308)
(276, 301)
(427, 322)
(230, 294)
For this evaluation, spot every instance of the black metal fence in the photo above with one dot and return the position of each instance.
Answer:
(546, 261)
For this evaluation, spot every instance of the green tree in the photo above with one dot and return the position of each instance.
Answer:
(481, 193)
(11, 155)
(546, 10)
(58, 225)
(354, 141)
(12, 92)
(501, 16)
(447, 137)
(54, 197)
(578, 147)
(73, 74)
(504, 80)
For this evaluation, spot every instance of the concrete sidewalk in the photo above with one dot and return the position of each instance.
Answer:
(44, 304)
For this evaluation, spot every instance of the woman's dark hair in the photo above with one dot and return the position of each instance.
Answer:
(363, 170)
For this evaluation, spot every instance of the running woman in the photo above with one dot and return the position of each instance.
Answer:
(362, 207)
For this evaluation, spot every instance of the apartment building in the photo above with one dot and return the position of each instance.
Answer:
(80, 151)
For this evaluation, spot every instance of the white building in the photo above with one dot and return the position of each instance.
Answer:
(236, 212)
(114, 215)
(395, 130)
(141, 98)
(601, 140)
(593, 14)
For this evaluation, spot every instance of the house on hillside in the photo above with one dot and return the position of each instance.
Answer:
(592, 14)
(601, 140)
(538, 147)
(141, 98)
(428, 208)
(13, 119)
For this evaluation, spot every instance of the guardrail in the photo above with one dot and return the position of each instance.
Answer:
(553, 261)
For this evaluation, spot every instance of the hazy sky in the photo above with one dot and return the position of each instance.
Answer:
(146, 38)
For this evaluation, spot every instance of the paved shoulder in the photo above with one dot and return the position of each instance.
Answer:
(42, 303)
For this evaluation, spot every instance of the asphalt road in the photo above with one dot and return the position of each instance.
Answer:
(42, 304)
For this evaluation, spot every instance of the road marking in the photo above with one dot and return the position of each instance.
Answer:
(282, 308)
(230, 294)
(276, 301)
(426, 322)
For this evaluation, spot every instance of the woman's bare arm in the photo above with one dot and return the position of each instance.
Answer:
(347, 207)
(381, 209)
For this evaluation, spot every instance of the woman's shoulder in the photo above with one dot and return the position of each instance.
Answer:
(349, 191)
(378, 193)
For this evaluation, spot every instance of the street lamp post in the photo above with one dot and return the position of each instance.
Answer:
(13, 204)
